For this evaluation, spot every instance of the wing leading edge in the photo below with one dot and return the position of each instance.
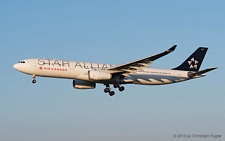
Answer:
(135, 65)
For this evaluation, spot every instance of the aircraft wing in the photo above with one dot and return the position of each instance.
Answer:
(200, 72)
(135, 65)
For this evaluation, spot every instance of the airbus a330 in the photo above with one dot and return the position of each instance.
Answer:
(85, 75)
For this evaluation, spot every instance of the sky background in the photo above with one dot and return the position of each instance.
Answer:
(114, 32)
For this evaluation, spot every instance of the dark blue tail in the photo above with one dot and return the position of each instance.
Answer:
(193, 62)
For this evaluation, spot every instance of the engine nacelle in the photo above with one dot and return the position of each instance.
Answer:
(80, 84)
(99, 75)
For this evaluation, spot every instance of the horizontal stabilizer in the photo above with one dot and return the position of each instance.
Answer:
(200, 72)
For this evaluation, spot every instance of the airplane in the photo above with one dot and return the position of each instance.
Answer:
(85, 75)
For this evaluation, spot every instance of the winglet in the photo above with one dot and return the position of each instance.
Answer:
(172, 48)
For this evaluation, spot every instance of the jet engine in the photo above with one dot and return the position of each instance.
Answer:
(99, 75)
(80, 84)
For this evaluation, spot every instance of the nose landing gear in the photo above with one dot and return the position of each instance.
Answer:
(33, 81)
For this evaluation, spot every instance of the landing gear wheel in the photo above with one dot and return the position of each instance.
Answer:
(116, 85)
(33, 81)
(106, 90)
(121, 88)
(112, 93)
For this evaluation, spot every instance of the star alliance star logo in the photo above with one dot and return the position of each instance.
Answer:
(193, 63)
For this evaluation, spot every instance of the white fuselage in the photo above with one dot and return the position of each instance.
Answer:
(79, 70)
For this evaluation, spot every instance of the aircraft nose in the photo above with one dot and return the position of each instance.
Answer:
(16, 66)
(20, 67)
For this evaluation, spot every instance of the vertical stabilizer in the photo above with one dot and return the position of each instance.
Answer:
(193, 62)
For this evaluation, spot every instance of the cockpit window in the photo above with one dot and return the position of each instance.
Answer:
(21, 61)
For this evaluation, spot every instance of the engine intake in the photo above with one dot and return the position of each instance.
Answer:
(80, 84)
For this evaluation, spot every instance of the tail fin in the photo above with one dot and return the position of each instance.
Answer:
(193, 62)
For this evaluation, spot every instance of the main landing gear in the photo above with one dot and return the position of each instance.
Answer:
(108, 90)
(112, 93)
(117, 85)
(33, 81)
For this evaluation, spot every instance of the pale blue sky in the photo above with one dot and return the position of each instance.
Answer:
(113, 32)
